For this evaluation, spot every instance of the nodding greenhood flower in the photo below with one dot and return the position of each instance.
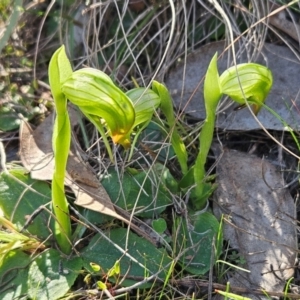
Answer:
(255, 80)
(97, 97)
(145, 102)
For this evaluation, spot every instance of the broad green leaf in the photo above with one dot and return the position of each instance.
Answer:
(159, 225)
(10, 113)
(94, 217)
(145, 103)
(250, 81)
(153, 134)
(137, 190)
(51, 276)
(166, 105)
(95, 94)
(14, 272)
(18, 202)
(150, 259)
(198, 241)
(167, 178)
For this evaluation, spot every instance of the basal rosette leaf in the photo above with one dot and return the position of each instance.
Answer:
(96, 95)
(251, 81)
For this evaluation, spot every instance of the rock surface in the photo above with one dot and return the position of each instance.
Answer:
(259, 219)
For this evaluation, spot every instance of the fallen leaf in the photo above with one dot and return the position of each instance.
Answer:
(36, 149)
(260, 220)
(283, 99)
(37, 157)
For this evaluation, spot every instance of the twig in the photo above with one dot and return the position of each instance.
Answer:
(2, 157)
(190, 282)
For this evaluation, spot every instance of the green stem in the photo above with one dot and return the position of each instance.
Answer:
(206, 137)
(212, 96)
(59, 70)
(61, 147)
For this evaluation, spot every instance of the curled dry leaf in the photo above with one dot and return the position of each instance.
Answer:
(259, 220)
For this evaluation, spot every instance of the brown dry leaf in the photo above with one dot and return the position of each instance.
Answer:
(36, 149)
(260, 220)
(37, 157)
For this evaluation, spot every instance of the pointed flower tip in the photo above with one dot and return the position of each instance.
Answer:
(256, 108)
(122, 139)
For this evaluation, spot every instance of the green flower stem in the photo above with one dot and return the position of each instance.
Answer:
(212, 96)
(167, 108)
(245, 84)
(59, 70)
(61, 143)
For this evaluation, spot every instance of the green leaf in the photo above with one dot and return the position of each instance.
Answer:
(153, 134)
(138, 188)
(96, 95)
(250, 81)
(13, 275)
(145, 103)
(159, 225)
(167, 178)
(10, 113)
(198, 240)
(51, 276)
(18, 202)
(150, 259)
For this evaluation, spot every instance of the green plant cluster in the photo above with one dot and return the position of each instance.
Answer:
(197, 234)
(105, 105)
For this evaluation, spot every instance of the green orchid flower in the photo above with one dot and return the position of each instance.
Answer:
(243, 83)
(247, 81)
(98, 97)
